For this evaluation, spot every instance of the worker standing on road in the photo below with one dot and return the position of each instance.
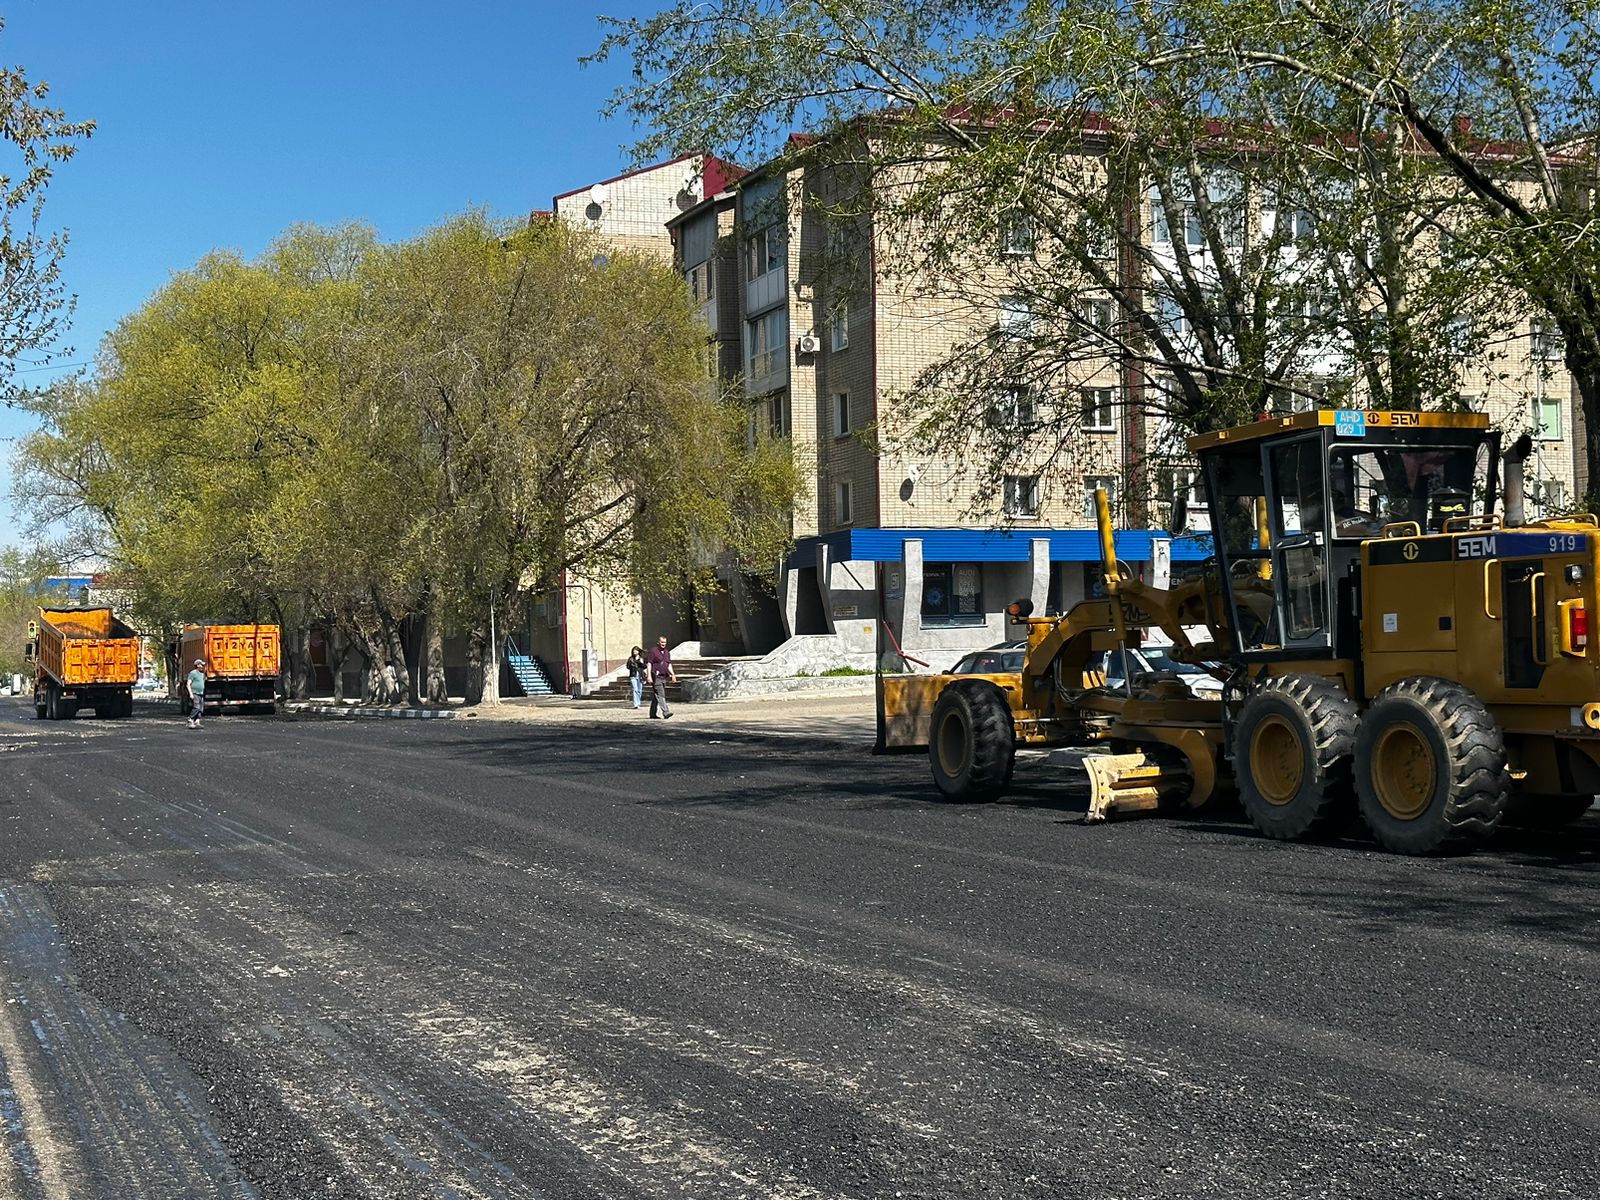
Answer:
(196, 682)
(637, 670)
(661, 673)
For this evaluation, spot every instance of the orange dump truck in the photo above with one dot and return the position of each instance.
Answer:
(82, 658)
(241, 664)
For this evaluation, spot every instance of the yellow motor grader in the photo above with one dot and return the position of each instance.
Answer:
(1390, 638)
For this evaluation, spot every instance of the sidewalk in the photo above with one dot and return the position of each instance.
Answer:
(850, 720)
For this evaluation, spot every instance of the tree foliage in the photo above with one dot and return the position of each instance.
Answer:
(386, 440)
(36, 139)
(1233, 202)
(22, 592)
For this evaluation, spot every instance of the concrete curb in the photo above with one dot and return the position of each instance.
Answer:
(342, 710)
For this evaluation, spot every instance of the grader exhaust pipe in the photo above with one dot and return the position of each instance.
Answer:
(1514, 502)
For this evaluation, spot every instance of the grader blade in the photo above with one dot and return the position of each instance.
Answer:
(1127, 783)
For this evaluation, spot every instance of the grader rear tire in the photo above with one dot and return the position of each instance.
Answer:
(1433, 775)
(1291, 753)
(972, 742)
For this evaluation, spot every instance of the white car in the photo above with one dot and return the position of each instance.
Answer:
(1150, 658)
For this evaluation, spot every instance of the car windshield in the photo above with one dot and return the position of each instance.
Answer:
(989, 662)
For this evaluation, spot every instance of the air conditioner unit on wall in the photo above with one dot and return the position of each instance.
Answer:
(809, 343)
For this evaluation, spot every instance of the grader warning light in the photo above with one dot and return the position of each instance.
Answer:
(1388, 637)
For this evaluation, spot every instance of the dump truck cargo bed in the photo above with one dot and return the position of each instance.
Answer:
(87, 646)
(242, 663)
(83, 658)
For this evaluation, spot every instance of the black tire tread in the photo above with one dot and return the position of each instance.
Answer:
(1481, 781)
(1331, 717)
(993, 740)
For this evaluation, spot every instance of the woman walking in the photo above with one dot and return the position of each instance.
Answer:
(636, 673)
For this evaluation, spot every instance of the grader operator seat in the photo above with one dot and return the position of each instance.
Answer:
(1292, 499)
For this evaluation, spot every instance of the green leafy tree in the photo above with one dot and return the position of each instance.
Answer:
(1075, 189)
(34, 306)
(1501, 95)
(386, 440)
(22, 591)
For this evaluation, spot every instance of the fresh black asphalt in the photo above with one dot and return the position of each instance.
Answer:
(464, 958)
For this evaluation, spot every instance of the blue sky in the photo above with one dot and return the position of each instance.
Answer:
(223, 122)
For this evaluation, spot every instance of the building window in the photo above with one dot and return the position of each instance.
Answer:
(1095, 313)
(1093, 483)
(766, 338)
(1170, 314)
(1547, 412)
(1548, 345)
(1173, 484)
(952, 594)
(1095, 237)
(1021, 496)
(839, 326)
(1548, 495)
(778, 414)
(1012, 408)
(841, 414)
(1457, 335)
(843, 495)
(763, 251)
(1300, 308)
(702, 282)
(1016, 314)
(1098, 406)
(1016, 234)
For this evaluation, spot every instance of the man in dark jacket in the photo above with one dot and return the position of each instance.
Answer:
(659, 660)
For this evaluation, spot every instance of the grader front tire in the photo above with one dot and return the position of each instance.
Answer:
(1292, 750)
(972, 742)
(1433, 775)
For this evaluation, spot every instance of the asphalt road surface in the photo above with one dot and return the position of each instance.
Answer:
(468, 959)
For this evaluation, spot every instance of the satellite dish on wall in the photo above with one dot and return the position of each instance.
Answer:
(599, 193)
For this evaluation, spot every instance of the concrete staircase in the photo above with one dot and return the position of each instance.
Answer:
(529, 674)
(685, 668)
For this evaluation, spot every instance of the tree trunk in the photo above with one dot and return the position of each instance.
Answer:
(305, 680)
(169, 645)
(413, 643)
(434, 690)
(483, 669)
(1587, 375)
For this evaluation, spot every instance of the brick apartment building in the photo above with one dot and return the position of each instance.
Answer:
(882, 524)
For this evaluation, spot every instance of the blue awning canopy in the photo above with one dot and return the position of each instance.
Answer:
(989, 545)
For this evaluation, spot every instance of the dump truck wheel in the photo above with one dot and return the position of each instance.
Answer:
(52, 702)
(972, 742)
(39, 707)
(1432, 774)
(1291, 752)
